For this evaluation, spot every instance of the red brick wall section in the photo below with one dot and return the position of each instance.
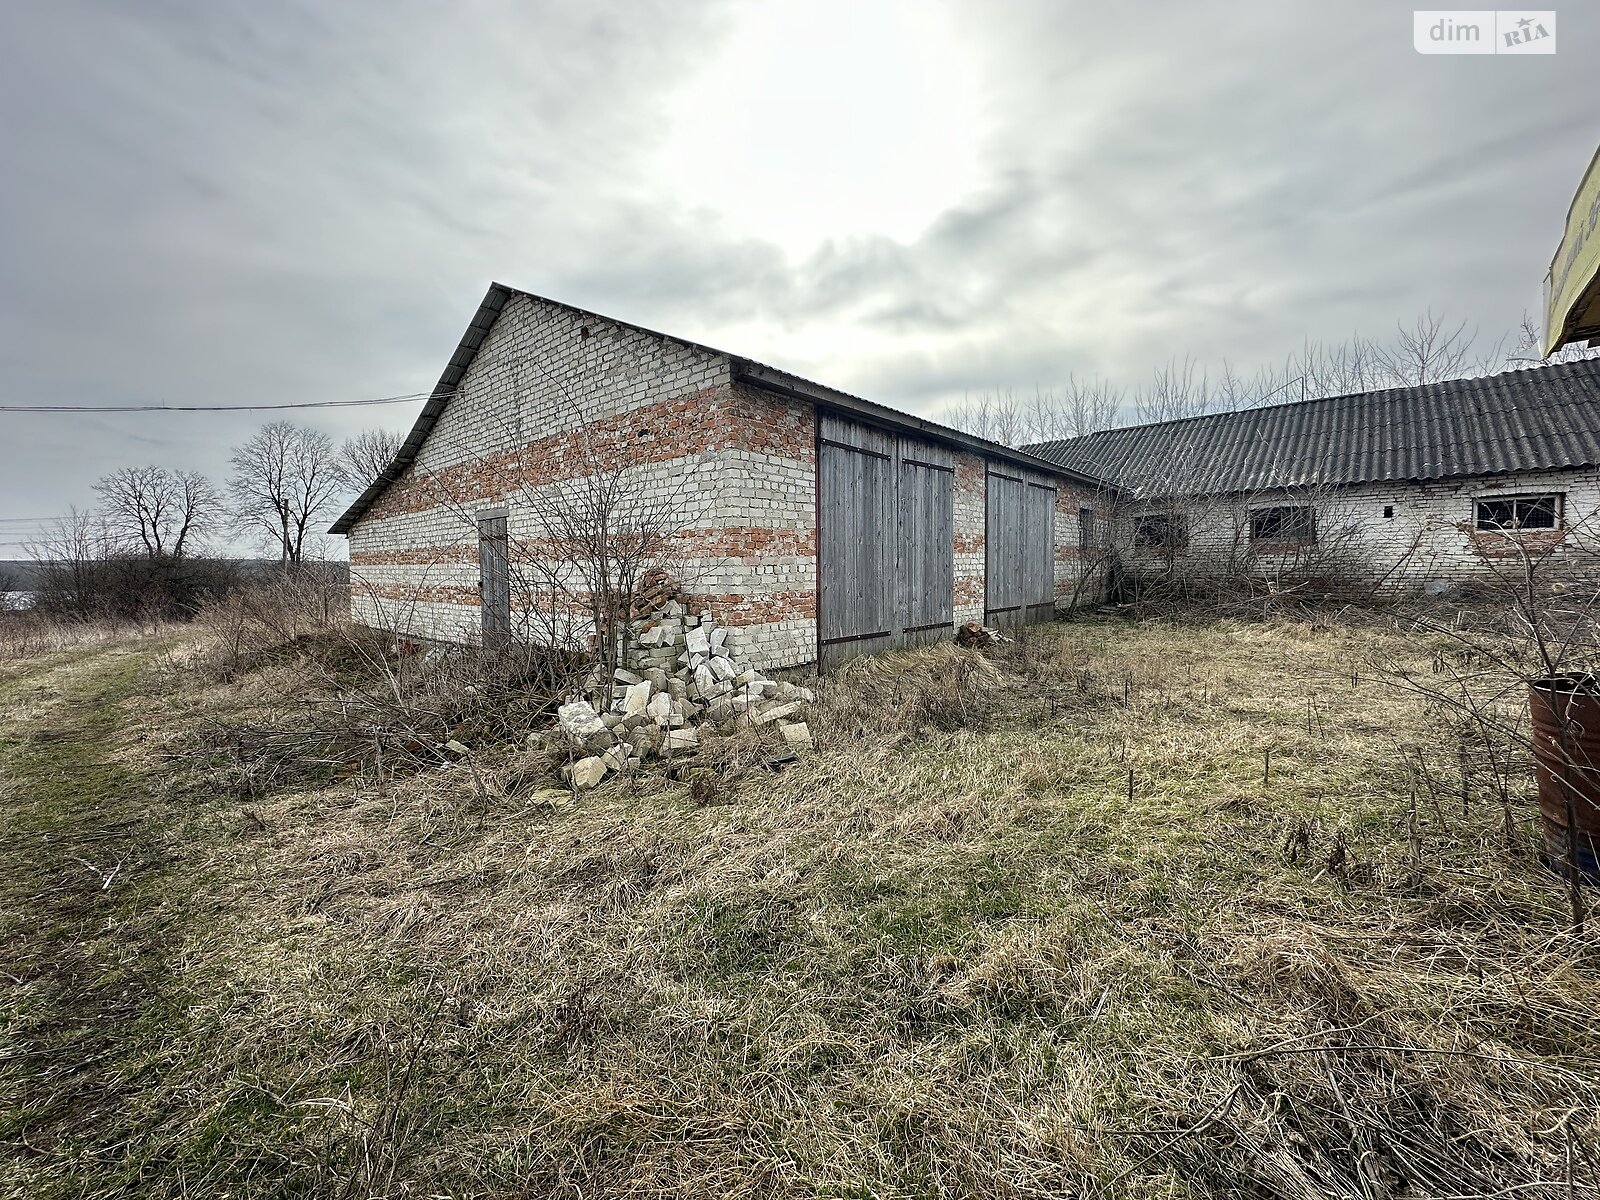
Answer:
(665, 417)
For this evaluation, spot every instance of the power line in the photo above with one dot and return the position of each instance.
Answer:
(118, 408)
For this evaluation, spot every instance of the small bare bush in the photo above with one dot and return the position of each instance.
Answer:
(243, 627)
(941, 687)
(367, 707)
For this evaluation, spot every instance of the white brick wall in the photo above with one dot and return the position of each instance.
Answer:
(545, 371)
(1430, 534)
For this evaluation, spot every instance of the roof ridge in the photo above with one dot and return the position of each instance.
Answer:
(1535, 418)
(1419, 389)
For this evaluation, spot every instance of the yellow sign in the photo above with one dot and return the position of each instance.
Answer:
(1572, 289)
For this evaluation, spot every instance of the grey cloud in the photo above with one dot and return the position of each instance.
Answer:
(240, 203)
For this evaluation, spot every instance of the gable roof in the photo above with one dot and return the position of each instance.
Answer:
(744, 371)
(1539, 419)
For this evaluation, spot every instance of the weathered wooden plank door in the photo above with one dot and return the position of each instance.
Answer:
(1002, 540)
(1039, 551)
(1019, 539)
(494, 581)
(856, 505)
(927, 551)
(886, 541)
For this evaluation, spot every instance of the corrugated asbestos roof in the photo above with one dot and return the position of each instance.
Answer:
(1540, 419)
(745, 370)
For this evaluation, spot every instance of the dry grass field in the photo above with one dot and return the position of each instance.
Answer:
(1035, 924)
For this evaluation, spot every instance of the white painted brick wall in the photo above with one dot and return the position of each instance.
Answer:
(520, 387)
(1427, 537)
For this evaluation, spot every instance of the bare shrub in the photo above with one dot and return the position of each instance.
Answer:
(259, 619)
(368, 705)
(1537, 616)
(935, 687)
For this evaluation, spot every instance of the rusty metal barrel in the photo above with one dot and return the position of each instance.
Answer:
(1566, 758)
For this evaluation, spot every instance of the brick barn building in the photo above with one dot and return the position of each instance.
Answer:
(816, 524)
(1442, 483)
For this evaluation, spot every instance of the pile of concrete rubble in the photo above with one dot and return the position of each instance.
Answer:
(686, 683)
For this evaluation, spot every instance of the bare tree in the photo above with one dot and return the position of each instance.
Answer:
(1049, 414)
(1176, 390)
(73, 553)
(1528, 348)
(163, 511)
(367, 455)
(993, 414)
(1427, 350)
(285, 477)
(1430, 349)
(1087, 406)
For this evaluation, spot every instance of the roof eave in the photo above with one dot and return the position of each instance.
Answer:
(466, 350)
(772, 380)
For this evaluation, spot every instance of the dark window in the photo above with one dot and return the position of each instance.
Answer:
(1284, 523)
(1086, 531)
(1520, 512)
(1388, 510)
(1159, 531)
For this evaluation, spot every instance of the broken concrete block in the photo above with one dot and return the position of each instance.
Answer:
(456, 747)
(704, 679)
(680, 739)
(610, 719)
(636, 698)
(797, 736)
(579, 720)
(587, 772)
(697, 642)
(721, 667)
(645, 740)
(616, 758)
(625, 676)
(718, 639)
(658, 707)
(777, 712)
(657, 679)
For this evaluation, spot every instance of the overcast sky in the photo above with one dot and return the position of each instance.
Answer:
(217, 202)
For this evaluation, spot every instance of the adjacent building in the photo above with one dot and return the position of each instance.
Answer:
(1446, 481)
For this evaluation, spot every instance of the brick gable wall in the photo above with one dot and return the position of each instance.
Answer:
(554, 397)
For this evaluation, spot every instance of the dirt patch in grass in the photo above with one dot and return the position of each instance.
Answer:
(952, 957)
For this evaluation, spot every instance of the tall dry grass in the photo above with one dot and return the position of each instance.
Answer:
(29, 633)
(1035, 924)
